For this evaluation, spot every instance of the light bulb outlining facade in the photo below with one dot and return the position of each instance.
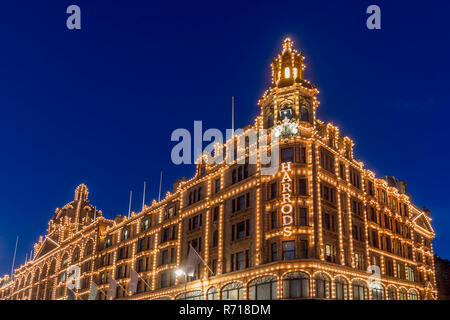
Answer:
(344, 219)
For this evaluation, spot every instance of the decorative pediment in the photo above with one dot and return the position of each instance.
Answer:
(423, 222)
(48, 245)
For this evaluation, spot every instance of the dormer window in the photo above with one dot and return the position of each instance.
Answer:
(286, 113)
(287, 73)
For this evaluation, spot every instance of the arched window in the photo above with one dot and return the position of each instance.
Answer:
(341, 288)
(296, 285)
(28, 279)
(286, 113)
(89, 248)
(402, 294)
(191, 295)
(322, 284)
(295, 73)
(412, 295)
(287, 73)
(304, 114)
(233, 291)
(212, 294)
(391, 293)
(263, 288)
(65, 261)
(76, 255)
(377, 292)
(359, 290)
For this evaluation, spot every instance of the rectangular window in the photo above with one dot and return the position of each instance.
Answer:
(273, 190)
(287, 155)
(274, 252)
(241, 203)
(300, 156)
(342, 171)
(288, 250)
(370, 188)
(240, 261)
(303, 249)
(273, 220)
(217, 184)
(140, 265)
(239, 173)
(358, 261)
(216, 211)
(375, 238)
(240, 230)
(303, 216)
(302, 187)
(326, 160)
(165, 257)
(355, 178)
(326, 221)
(328, 193)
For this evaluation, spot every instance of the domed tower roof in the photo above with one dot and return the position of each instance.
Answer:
(81, 192)
(288, 67)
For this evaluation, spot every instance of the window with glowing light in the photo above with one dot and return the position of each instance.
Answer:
(377, 292)
(286, 113)
(402, 294)
(263, 288)
(412, 295)
(287, 73)
(322, 285)
(391, 293)
(341, 288)
(296, 285)
(233, 291)
(212, 294)
(359, 290)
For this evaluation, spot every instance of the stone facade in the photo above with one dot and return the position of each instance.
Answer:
(344, 221)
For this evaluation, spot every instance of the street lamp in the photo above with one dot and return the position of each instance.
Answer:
(180, 272)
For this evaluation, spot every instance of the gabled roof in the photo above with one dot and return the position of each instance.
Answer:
(48, 245)
(422, 221)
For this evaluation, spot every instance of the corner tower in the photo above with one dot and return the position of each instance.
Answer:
(290, 97)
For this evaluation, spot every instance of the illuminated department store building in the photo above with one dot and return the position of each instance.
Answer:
(344, 220)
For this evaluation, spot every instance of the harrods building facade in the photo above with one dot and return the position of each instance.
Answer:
(343, 220)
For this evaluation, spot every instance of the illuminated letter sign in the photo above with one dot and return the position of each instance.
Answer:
(286, 203)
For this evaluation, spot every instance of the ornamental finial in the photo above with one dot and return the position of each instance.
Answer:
(287, 44)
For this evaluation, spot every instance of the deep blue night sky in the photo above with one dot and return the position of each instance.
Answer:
(98, 105)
